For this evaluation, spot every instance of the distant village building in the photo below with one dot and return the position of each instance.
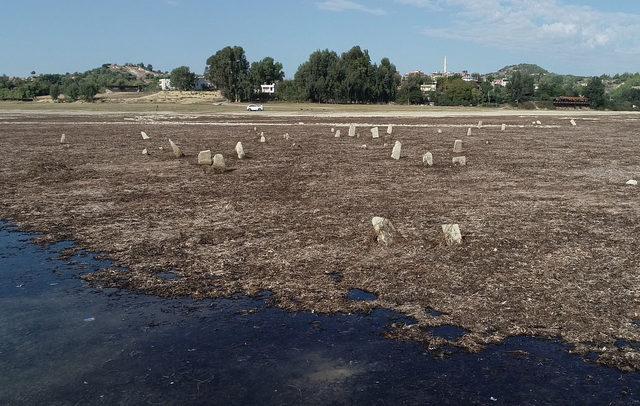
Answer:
(500, 82)
(165, 84)
(428, 88)
(202, 83)
(268, 89)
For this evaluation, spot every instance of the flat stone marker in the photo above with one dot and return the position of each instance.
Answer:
(63, 139)
(218, 162)
(504, 127)
(457, 146)
(389, 129)
(632, 182)
(452, 234)
(427, 159)
(364, 146)
(333, 130)
(176, 149)
(352, 130)
(397, 148)
(145, 152)
(439, 131)
(204, 157)
(239, 150)
(459, 160)
(385, 231)
(262, 139)
(337, 134)
(144, 135)
(469, 132)
(375, 133)
(573, 122)
(480, 124)
(538, 122)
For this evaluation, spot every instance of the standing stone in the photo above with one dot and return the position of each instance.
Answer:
(452, 234)
(364, 146)
(63, 139)
(375, 133)
(262, 139)
(457, 146)
(504, 127)
(332, 130)
(469, 132)
(480, 124)
(538, 122)
(337, 134)
(352, 130)
(218, 162)
(385, 231)
(144, 135)
(459, 160)
(145, 152)
(427, 159)
(439, 131)
(397, 148)
(632, 182)
(204, 157)
(255, 128)
(389, 129)
(239, 150)
(176, 149)
(573, 122)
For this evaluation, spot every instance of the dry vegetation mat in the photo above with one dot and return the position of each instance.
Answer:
(550, 230)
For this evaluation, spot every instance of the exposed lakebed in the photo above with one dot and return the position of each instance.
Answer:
(62, 342)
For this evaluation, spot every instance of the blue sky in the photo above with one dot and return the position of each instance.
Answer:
(584, 37)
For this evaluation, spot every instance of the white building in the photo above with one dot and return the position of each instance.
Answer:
(165, 84)
(500, 82)
(428, 88)
(268, 89)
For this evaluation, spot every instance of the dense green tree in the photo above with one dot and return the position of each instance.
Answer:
(318, 78)
(520, 87)
(182, 78)
(54, 91)
(228, 70)
(595, 91)
(409, 92)
(87, 90)
(266, 71)
(358, 84)
(387, 81)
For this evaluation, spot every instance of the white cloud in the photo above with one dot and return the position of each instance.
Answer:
(348, 5)
(533, 25)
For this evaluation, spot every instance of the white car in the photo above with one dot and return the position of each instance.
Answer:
(255, 107)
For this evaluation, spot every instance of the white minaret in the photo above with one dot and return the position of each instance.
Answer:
(445, 65)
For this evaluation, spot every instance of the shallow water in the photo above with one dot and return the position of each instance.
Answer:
(62, 342)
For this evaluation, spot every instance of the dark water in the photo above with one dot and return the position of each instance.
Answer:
(64, 343)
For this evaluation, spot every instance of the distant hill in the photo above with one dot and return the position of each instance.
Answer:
(526, 68)
(139, 72)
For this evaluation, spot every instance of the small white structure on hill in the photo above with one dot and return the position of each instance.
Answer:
(165, 84)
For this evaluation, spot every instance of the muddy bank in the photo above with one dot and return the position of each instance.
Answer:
(550, 230)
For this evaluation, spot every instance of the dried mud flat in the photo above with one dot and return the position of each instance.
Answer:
(550, 229)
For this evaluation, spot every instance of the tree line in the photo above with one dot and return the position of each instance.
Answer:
(349, 77)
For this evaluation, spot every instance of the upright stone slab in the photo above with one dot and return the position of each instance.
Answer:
(333, 130)
(262, 139)
(452, 234)
(337, 134)
(480, 124)
(352, 130)
(218, 162)
(632, 182)
(176, 149)
(538, 122)
(427, 159)
(385, 231)
(240, 150)
(375, 133)
(389, 129)
(504, 127)
(573, 122)
(459, 160)
(457, 146)
(469, 132)
(204, 157)
(145, 152)
(397, 149)
(63, 139)
(144, 135)
(439, 131)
